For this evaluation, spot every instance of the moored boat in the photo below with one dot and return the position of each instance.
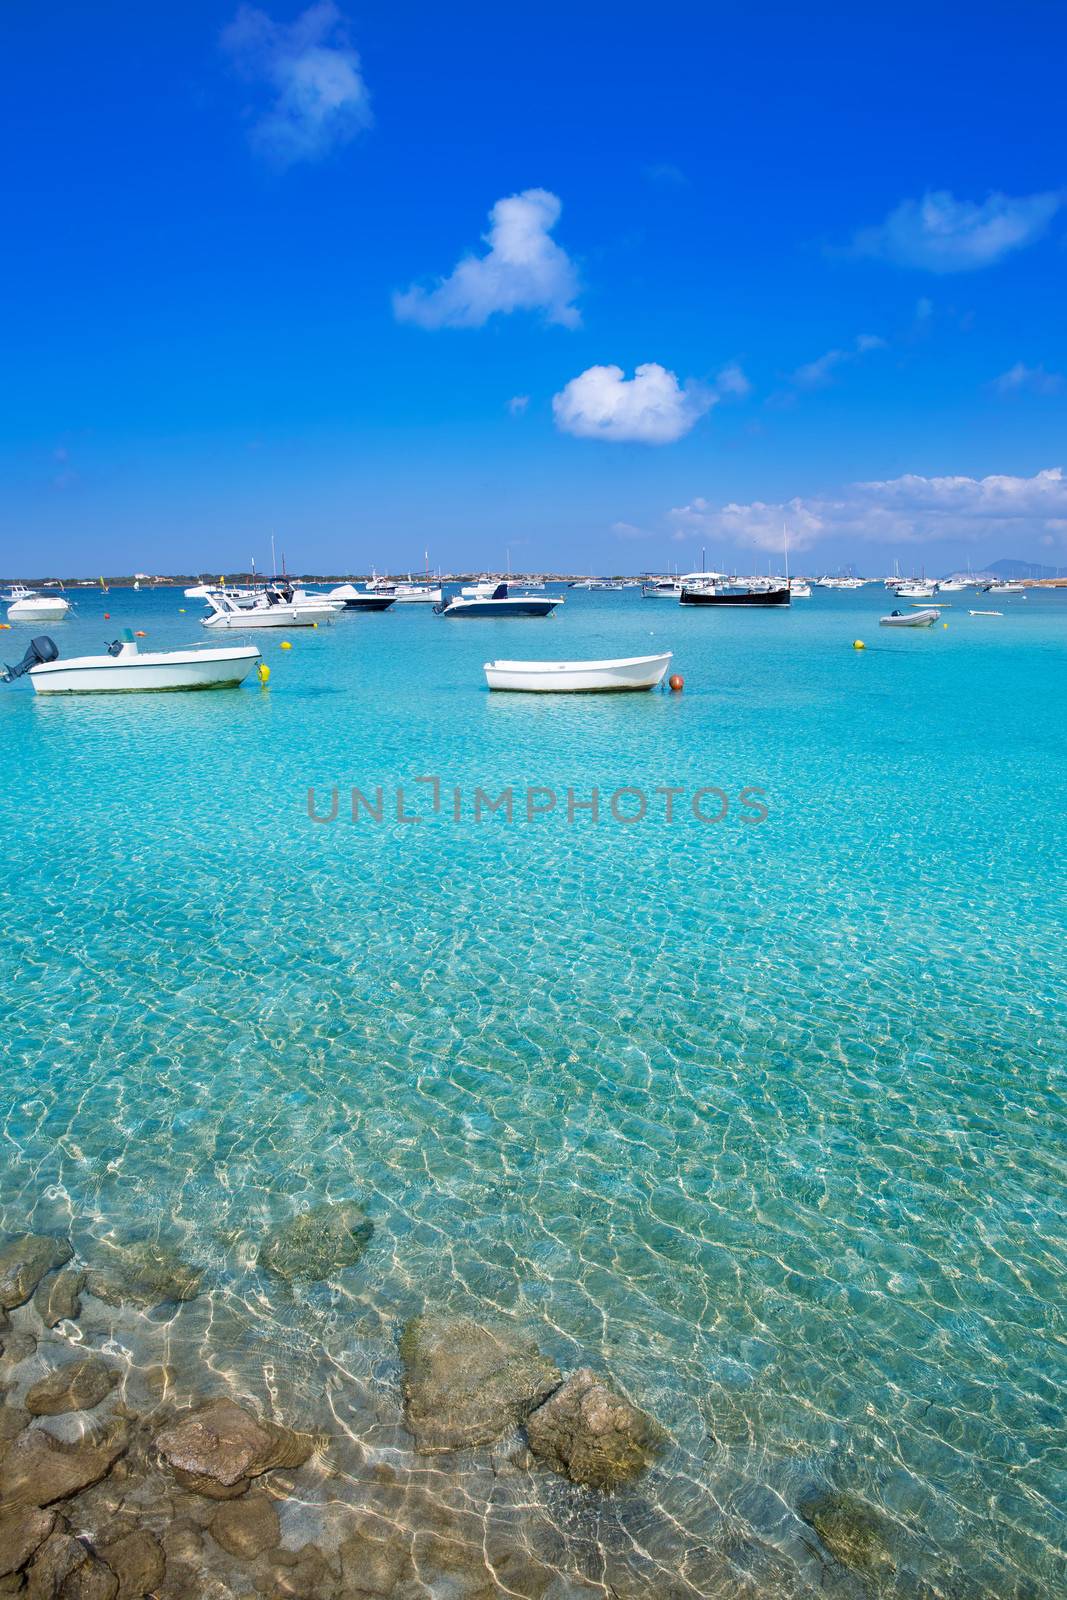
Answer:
(269, 612)
(124, 669)
(26, 605)
(353, 599)
(499, 603)
(735, 595)
(910, 619)
(578, 677)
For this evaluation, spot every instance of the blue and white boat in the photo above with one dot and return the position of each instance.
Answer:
(496, 600)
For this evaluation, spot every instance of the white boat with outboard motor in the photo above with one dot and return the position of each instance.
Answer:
(26, 605)
(124, 669)
(578, 677)
(910, 619)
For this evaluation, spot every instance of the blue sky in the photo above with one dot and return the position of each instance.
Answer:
(721, 270)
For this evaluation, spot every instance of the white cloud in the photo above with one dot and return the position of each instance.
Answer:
(524, 270)
(652, 407)
(518, 403)
(906, 510)
(1035, 379)
(664, 175)
(818, 373)
(320, 99)
(942, 234)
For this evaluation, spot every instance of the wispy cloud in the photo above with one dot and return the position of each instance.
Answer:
(523, 270)
(942, 234)
(313, 75)
(652, 407)
(908, 510)
(1021, 378)
(818, 373)
(518, 403)
(664, 175)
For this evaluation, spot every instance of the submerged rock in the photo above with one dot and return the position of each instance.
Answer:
(25, 1261)
(465, 1384)
(373, 1566)
(21, 1533)
(220, 1447)
(66, 1569)
(138, 1562)
(852, 1531)
(78, 1385)
(316, 1244)
(58, 1299)
(592, 1435)
(12, 1421)
(146, 1273)
(38, 1470)
(246, 1527)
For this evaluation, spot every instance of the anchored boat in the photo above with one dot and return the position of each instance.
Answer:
(26, 605)
(910, 619)
(484, 600)
(125, 669)
(578, 677)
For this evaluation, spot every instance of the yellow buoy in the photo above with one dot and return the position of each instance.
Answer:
(286, 645)
(858, 644)
(263, 674)
(944, 624)
(181, 611)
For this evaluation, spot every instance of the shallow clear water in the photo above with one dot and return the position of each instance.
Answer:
(764, 1119)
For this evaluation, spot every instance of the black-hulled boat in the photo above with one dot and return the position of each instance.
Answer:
(734, 595)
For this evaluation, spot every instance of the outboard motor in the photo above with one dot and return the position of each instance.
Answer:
(38, 650)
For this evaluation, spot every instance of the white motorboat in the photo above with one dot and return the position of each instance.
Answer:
(800, 589)
(911, 619)
(952, 585)
(916, 591)
(499, 602)
(425, 594)
(578, 677)
(269, 613)
(661, 589)
(26, 605)
(124, 669)
(353, 599)
(999, 586)
(985, 613)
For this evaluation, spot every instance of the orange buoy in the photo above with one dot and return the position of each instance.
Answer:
(140, 634)
(107, 616)
(677, 682)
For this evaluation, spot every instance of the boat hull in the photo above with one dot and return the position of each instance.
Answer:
(38, 610)
(531, 607)
(142, 674)
(628, 674)
(744, 597)
(271, 617)
(370, 602)
(914, 619)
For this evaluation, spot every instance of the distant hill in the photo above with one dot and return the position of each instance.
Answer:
(1025, 569)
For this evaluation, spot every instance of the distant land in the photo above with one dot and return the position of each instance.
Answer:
(1007, 567)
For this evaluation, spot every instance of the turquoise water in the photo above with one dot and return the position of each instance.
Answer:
(763, 1119)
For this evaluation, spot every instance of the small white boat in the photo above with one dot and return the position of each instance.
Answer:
(916, 591)
(985, 613)
(269, 612)
(26, 605)
(910, 619)
(661, 589)
(578, 677)
(124, 669)
(799, 589)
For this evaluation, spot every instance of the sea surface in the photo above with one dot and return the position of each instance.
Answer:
(761, 1117)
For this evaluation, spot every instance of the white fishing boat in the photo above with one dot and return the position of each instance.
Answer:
(662, 589)
(26, 605)
(269, 613)
(578, 677)
(911, 619)
(800, 589)
(125, 669)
